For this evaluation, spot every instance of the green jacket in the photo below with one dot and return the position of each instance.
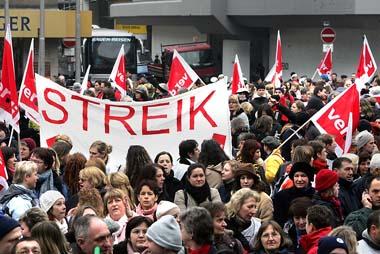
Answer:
(358, 220)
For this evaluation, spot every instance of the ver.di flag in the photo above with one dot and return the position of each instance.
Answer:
(9, 109)
(339, 118)
(118, 75)
(237, 77)
(367, 66)
(325, 67)
(181, 75)
(28, 94)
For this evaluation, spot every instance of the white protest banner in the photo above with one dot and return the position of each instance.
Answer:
(158, 125)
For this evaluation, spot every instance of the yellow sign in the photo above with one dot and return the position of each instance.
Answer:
(58, 24)
(134, 29)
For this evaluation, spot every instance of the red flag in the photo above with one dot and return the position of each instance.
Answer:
(3, 169)
(367, 66)
(340, 117)
(237, 77)
(181, 75)
(278, 71)
(8, 92)
(275, 74)
(325, 67)
(28, 93)
(118, 72)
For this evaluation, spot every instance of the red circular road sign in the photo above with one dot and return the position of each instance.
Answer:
(68, 42)
(328, 35)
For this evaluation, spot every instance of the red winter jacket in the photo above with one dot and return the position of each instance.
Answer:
(309, 242)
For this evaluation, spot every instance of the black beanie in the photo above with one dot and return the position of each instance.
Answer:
(302, 167)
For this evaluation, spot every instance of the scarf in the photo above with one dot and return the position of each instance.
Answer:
(199, 194)
(47, 181)
(150, 213)
(319, 164)
(337, 206)
(62, 225)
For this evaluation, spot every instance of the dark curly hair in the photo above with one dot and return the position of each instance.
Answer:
(211, 153)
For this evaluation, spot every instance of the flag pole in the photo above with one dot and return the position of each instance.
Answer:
(19, 145)
(287, 140)
(10, 137)
(315, 73)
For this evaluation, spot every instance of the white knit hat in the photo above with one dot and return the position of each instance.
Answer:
(375, 161)
(47, 199)
(163, 207)
(363, 138)
(166, 233)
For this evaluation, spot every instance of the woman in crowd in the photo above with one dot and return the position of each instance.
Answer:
(197, 231)
(91, 177)
(246, 176)
(96, 162)
(118, 210)
(241, 212)
(228, 178)
(364, 160)
(30, 218)
(50, 238)
(26, 147)
(75, 163)
(271, 239)
(63, 150)
(212, 156)
(196, 191)
(119, 180)
(262, 127)
(147, 195)
(53, 203)
(155, 172)
(9, 156)
(223, 241)
(137, 158)
(171, 184)
(101, 150)
(135, 236)
(90, 197)
(327, 187)
(236, 111)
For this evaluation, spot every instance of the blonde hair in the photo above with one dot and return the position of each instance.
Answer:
(348, 235)
(24, 168)
(113, 194)
(238, 199)
(120, 180)
(96, 162)
(94, 175)
(247, 107)
(234, 165)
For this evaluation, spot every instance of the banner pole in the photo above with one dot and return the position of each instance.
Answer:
(294, 133)
(19, 145)
(315, 73)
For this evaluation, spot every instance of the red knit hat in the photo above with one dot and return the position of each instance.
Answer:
(325, 179)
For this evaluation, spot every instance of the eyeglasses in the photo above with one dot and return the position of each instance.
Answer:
(268, 235)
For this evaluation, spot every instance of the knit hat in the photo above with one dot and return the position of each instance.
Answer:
(270, 141)
(30, 143)
(325, 179)
(363, 138)
(329, 243)
(375, 161)
(247, 169)
(302, 167)
(163, 207)
(7, 224)
(166, 233)
(48, 198)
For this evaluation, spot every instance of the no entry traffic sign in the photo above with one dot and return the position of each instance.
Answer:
(328, 35)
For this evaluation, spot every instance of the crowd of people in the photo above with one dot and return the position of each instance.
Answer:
(270, 196)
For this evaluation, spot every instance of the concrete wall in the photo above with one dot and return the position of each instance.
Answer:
(173, 35)
(302, 49)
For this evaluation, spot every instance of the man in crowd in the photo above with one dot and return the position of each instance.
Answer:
(345, 170)
(316, 101)
(92, 232)
(26, 245)
(371, 202)
(21, 196)
(10, 232)
(371, 236)
(274, 161)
